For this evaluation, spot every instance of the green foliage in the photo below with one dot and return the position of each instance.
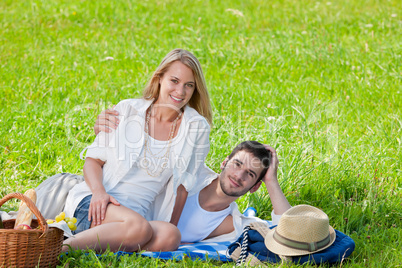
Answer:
(320, 81)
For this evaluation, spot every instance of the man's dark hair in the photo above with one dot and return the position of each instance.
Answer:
(256, 149)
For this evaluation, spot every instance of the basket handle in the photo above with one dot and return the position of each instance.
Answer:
(42, 223)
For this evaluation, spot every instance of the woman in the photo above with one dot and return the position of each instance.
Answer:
(164, 135)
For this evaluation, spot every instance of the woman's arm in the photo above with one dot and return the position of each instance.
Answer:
(100, 199)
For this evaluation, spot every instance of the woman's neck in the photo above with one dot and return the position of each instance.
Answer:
(164, 113)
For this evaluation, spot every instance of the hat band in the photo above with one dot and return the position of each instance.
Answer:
(313, 246)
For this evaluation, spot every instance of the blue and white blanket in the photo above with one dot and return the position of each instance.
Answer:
(201, 250)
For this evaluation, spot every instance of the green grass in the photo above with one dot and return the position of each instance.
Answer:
(321, 81)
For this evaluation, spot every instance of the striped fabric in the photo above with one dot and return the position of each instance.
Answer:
(200, 250)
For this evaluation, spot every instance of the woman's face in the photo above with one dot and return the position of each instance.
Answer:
(177, 85)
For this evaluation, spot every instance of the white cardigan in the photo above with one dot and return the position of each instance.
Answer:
(121, 148)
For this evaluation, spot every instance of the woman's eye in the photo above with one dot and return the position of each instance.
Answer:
(174, 81)
(190, 85)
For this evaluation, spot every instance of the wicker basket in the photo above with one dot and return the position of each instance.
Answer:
(29, 248)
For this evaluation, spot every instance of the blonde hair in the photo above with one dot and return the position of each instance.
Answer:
(200, 99)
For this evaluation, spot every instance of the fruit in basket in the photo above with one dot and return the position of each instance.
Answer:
(58, 218)
(62, 217)
(71, 223)
(23, 227)
(49, 221)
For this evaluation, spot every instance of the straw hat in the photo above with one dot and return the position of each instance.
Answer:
(301, 230)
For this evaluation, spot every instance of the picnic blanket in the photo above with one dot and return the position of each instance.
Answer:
(200, 250)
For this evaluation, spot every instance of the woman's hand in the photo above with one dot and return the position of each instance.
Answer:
(106, 121)
(97, 208)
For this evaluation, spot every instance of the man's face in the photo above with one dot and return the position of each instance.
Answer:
(240, 174)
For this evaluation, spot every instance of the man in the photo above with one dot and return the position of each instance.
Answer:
(243, 171)
(212, 213)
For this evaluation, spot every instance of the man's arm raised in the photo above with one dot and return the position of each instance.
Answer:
(279, 202)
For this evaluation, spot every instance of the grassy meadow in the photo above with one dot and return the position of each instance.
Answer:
(321, 81)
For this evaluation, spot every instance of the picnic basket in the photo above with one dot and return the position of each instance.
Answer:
(29, 248)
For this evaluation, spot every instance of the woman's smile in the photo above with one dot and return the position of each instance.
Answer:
(178, 100)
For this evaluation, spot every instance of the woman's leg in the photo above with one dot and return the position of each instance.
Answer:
(166, 237)
(122, 229)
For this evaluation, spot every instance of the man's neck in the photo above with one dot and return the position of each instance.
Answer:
(212, 198)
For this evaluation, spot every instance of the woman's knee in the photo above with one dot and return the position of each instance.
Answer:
(138, 229)
(173, 238)
(166, 237)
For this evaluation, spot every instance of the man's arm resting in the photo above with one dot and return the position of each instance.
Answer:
(181, 198)
(225, 227)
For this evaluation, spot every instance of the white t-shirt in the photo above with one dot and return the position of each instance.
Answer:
(196, 223)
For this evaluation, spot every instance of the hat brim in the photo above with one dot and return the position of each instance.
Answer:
(280, 249)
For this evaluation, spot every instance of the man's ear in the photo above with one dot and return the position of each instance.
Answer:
(224, 162)
(255, 187)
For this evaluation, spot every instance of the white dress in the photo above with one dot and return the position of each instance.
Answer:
(122, 148)
(137, 189)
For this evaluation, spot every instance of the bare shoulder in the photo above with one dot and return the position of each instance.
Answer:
(224, 228)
